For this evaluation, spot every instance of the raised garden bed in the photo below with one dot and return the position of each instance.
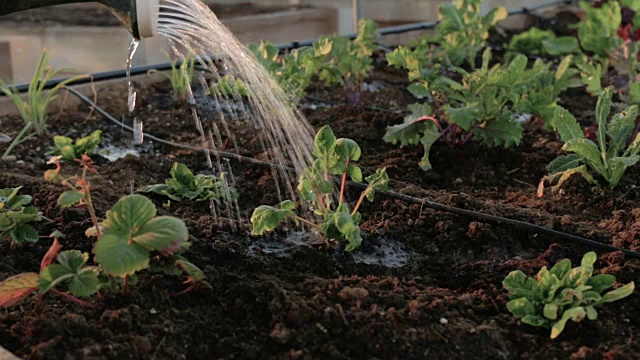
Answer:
(426, 284)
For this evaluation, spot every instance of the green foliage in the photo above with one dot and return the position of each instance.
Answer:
(15, 217)
(229, 86)
(293, 71)
(462, 31)
(334, 157)
(561, 294)
(181, 75)
(610, 157)
(35, 107)
(531, 41)
(131, 231)
(82, 280)
(346, 62)
(184, 185)
(69, 151)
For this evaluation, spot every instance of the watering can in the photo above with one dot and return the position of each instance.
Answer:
(140, 17)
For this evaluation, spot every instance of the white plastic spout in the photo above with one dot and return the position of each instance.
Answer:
(147, 12)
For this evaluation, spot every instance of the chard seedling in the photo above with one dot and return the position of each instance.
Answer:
(561, 294)
(609, 158)
(70, 150)
(16, 216)
(184, 185)
(70, 269)
(334, 157)
(293, 71)
(348, 63)
(181, 76)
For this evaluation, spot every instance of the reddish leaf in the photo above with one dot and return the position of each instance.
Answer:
(51, 255)
(17, 288)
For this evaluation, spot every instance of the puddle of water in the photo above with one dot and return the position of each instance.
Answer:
(113, 153)
(383, 252)
(281, 247)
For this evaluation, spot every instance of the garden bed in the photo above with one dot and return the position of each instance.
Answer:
(273, 299)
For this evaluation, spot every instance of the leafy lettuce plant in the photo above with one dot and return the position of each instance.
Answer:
(348, 63)
(561, 294)
(70, 151)
(609, 158)
(184, 185)
(16, 217)
(334, 157)
(294, 70)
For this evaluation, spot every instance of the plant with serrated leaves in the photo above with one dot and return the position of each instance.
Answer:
(609, 158)
(184, 185)
(35, 107)
(462, 32)
(71, 150)
(294, 70)
(485, 104)
(131, 232)
(561, 294)
(70, 270)
(181, 75)
(334, 157)
(348, 62)
(16, 216)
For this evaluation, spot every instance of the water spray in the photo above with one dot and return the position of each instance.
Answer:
(140, 17)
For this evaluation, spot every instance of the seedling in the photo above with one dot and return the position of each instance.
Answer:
(181, 76)
(531, 41)
(184, 185)
(229, 86)
(348, 63)
(561, 294)
(16, 217)
(34, 109)
(70, 151)
(609, 158)
(334, 157)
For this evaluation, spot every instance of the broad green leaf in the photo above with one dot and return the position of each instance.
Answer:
(52, 276)
(430, 135)
(345, 223)
(551, 311)
(129, 214)
(69, 198)
(592, 313)
(18, 201)
(355, 173)
(62, 141)
(620, 130)
(521, 307)
(377, 182)
(567, 125)
(73, 260)
(588, 260)
(161, 233)
(86, 283)
(603, 109)
(564, 163)
(182, 176)
(325, 142)
(561, 268)
(535, 320)
(191, 270)
(348, 151)
(575, 314)
(617, 294)
(266, 218)
(17, 288)
(119, 258)
(561, 46)
(586, 149)
(23, 233)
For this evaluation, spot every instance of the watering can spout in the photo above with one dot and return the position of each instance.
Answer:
(140, 17)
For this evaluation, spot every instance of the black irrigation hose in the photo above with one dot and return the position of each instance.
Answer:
(532, 228)
(141, 70)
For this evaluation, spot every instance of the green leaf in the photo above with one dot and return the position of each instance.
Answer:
(129, 214)
(161, 233)
(86, 283)
(348, 227)
(348, 151)
(52, 276)
(575, 314)
(617, 294)
(191, 270)
(603, 109)
(521, 307)
(588, 260)
(561, 269)
(69, 198)
(266, 218)
(119, 258)
(620, 130)
(592, 313)
(602, 282)
(588, 151)
(551, 311)
(355, 173)
(22, 233)
(561, 46)
(377, 182)
(72, 260)
(535, 320)
(567, 125)
(564, 163)
(181, 176)
(325, 143)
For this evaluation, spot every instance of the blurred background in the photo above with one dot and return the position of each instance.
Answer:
(88, 38)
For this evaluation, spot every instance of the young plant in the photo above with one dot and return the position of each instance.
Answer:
(348, 63)
(15, 217)
(293, 71)
(531, 41)
(609, 158)
(81, 280)
(561, 294)
(229, 86)
(130, 232)
(70, 151)
(181, 76)
(34, 109)
(184, 185)
(334, 157)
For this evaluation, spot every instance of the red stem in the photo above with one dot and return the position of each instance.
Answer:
(73, 299)
(344, 181)
(190, 288)
(126, 285)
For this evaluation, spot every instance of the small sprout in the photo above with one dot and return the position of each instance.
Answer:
(184, 185)
(334, 157)
(194, 276)
(181, 76)
(15, 217)
(229, 86)
(561, 294)
(70, 151)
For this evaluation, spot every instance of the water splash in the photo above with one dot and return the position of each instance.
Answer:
(285, 136)
(138, 137)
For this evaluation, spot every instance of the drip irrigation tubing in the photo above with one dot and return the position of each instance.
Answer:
(141, 70)
(497, 220)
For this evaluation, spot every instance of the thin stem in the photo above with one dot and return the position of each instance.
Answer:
(126, 285)
(18, 139)
(73, 299)
(355, 209)
(304, 221)
(87, 199)
(344, 182)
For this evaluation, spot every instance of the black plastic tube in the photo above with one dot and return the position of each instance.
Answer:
(497, 220)
(141, 70)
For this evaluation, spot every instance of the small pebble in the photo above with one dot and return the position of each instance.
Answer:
(458, 181)
(444, 321)
(153, 311)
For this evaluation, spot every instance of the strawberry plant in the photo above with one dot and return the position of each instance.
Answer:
(561, 294)
(16, 217)
(70, 151)
(348, 63)
(334, 157)
(293, 71)
(609, 158)
(184, 185)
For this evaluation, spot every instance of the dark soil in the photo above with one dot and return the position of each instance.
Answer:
(318, 302)
(98, 15)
